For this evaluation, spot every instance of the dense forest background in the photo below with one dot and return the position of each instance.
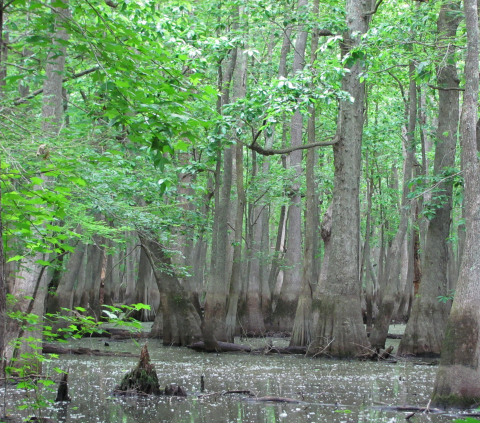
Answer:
(242, 167)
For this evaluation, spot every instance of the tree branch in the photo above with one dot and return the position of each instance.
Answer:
(374, 10)
(435, 87)
(268, 152)
(399, 86)
(21, 100)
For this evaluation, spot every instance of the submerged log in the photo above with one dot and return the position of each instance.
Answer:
(224, 347)
(143, 378)
(270, 349)
(116, 333)
(62, 393)
(54, 349)
(270, 398)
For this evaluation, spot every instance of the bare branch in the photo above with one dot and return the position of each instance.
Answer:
(399, 85)
(435, 87)
(374, 10)
(267, 152)
(21, 100)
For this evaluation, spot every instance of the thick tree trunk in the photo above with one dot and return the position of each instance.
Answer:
(425, 329)
(340, 331)
(181, 322)
(458, 378)
(214, 325)
(286, 306)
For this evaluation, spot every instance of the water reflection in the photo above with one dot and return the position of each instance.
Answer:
(330, 391)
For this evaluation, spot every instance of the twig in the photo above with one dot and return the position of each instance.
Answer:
(321, 352)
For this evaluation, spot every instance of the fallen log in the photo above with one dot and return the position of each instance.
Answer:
(270, 398)
(224, 347)
(408, 408)
(54, 349)
(116, 333)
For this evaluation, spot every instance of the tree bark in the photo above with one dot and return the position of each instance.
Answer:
(425, 329)
(340, 331)
(458, 378)
(240, 81)
(214, 325)
(52, 106)
(284, 314)
(181, 322)
(392, 290)
(302, 330)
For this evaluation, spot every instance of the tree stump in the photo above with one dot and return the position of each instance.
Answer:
(62, 393)
(143, 378)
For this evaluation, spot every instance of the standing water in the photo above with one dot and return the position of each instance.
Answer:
(327, 390)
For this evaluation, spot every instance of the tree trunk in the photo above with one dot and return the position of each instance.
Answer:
(131, 260)
(425, 329)
(369, 288)
(52, 106)
(181, 322)
(391, 295)
(458, 378)
(90, 294)
(340, 331)
(240, 87)
(214, 325)
(3, 47)
(63, 298)
(284, 314)
(30, 291)
(280, 239)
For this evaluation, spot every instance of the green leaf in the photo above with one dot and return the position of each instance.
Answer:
(15, 258)
(37, 181)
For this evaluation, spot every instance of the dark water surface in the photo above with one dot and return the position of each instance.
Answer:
(331, 390)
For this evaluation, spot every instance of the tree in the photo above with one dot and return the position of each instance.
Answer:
(286, 305)
(340, 331)
(426, 325)
(458, 378)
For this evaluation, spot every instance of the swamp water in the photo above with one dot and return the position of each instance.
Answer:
(330, 390)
